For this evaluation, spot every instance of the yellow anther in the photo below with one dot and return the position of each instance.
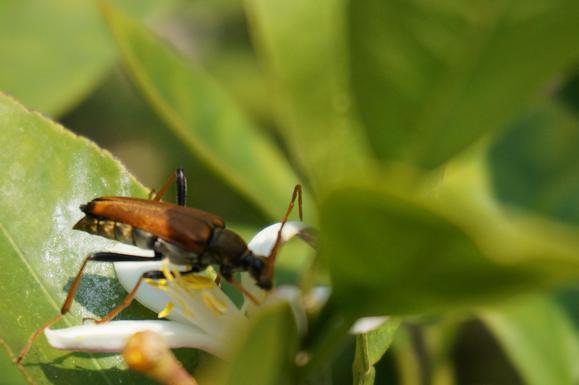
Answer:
(213, 303)
(166, 272)
(197, 282)
(158, 283)
(165, 312)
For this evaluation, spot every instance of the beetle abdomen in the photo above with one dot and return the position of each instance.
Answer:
(118, 231)
(186, 227)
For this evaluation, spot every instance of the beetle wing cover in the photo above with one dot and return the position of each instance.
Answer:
(187, 227)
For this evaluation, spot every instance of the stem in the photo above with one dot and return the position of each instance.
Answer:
(409, 369)
(362, 369)
(439, 341)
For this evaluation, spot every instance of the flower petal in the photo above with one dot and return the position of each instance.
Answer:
(112, 336)
(128, 273)
(261, 244)
(367, 324)
(195, 311)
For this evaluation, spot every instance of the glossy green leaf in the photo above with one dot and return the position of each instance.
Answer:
(302, 44)
(394, 253)
(534, 165)
(53, 52)
(47, 173)
(205, 117)
(370, 347)
(432, 77)
(11, 375)
(539, 339)
(264, 353)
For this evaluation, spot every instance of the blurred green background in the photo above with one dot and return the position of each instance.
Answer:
(58, 57)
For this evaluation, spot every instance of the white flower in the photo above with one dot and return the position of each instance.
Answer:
(200, 313)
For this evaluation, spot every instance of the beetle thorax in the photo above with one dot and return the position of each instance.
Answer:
(227, 246)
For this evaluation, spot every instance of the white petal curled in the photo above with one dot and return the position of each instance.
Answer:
(261, 244)
(367, 324)
(112, 336)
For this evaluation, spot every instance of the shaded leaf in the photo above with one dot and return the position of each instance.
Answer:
(534, 165)
(397, 253)
(205, 117)
(264, 353)
(302, 44)
(51, 68)
(48, 173)
(430, 78)
(539, 339)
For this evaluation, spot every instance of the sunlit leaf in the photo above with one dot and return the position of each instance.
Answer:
(205, 117)
(48, 173)
(302, 44)
(54, 52)
(539, 339)
(10, 373)
(432, 77)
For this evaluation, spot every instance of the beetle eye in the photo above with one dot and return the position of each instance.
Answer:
(257, 264)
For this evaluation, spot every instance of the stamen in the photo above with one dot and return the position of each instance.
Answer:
(158, 283)
(197, 282)
(181, 297)
(166, 272)
(213, 303)
(166, 311)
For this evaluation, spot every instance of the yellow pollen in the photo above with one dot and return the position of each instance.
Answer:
(197, 282)
(213, 303)
(165, 312)
(158, 283)
(166, 272)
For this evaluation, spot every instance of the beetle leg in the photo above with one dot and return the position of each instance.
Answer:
(99, 257)
(153, 274)
(181, 182)
(297, 194)
(242, 290)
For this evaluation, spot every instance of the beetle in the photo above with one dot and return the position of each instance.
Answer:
(184, 235)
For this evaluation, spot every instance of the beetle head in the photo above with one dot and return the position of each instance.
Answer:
(257, 268)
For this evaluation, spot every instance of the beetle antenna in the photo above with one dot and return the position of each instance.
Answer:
(297, 193)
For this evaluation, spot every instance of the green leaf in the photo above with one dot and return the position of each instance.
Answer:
(539, 339)
(370, 347)
(47, 173)
(10, 373)
(432, 77)
(54, 52)
(302, 44)
(398, 253)
(263, 353)
(205, 117)
(534, 164)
